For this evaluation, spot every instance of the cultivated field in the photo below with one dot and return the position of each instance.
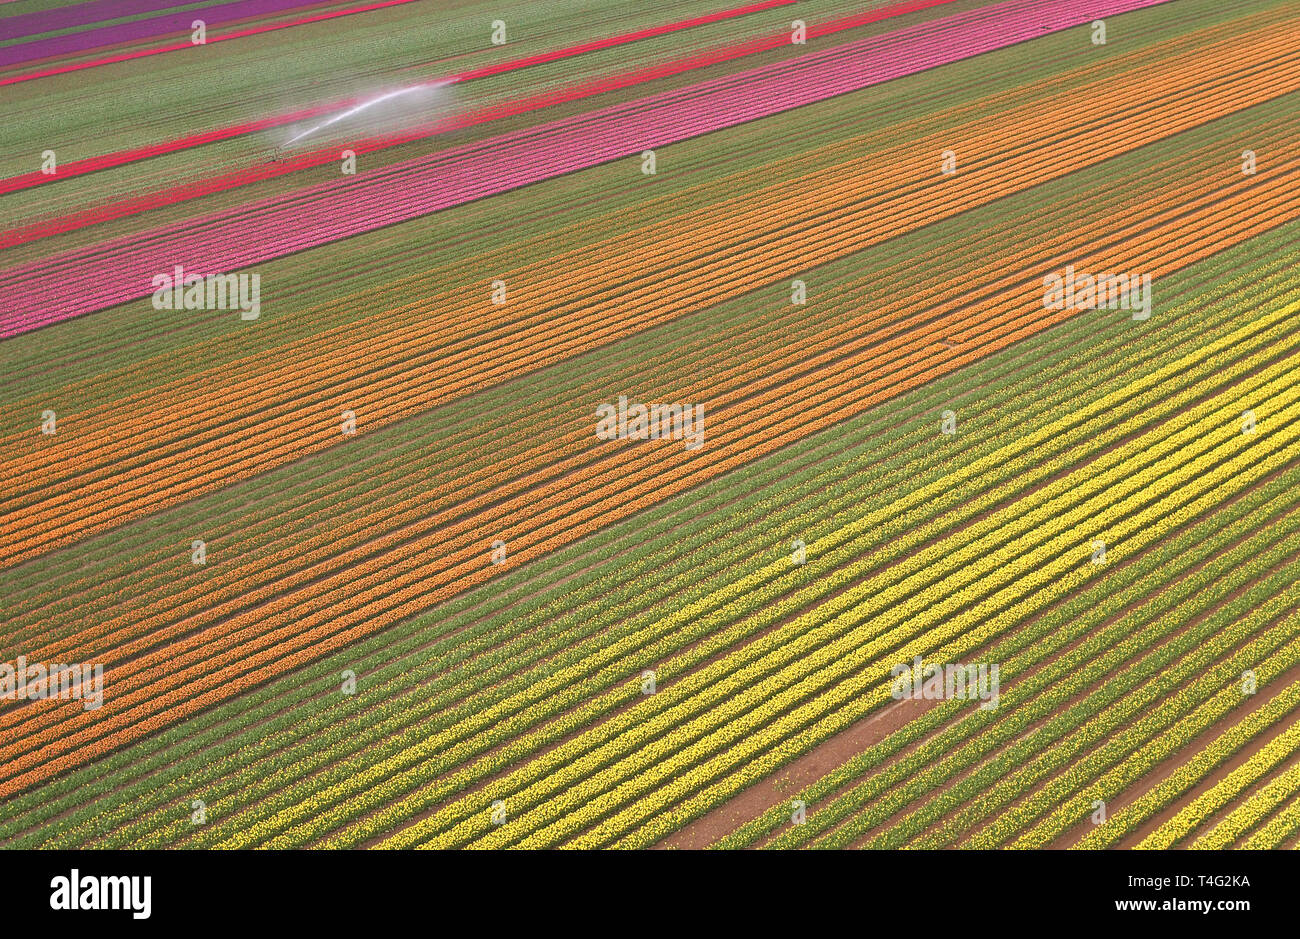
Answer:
(949, 537)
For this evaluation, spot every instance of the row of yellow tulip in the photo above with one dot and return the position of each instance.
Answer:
(1251, 812)
(1086, 718)
(1202, 761)
(1076, 642)
(1189, 774)
(1277, 830)
(577, 805)
(1178, 710)
(1183, 824)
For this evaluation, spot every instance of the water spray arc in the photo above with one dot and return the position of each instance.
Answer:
(388, 96)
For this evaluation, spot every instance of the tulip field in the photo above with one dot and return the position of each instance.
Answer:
(935, 334)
